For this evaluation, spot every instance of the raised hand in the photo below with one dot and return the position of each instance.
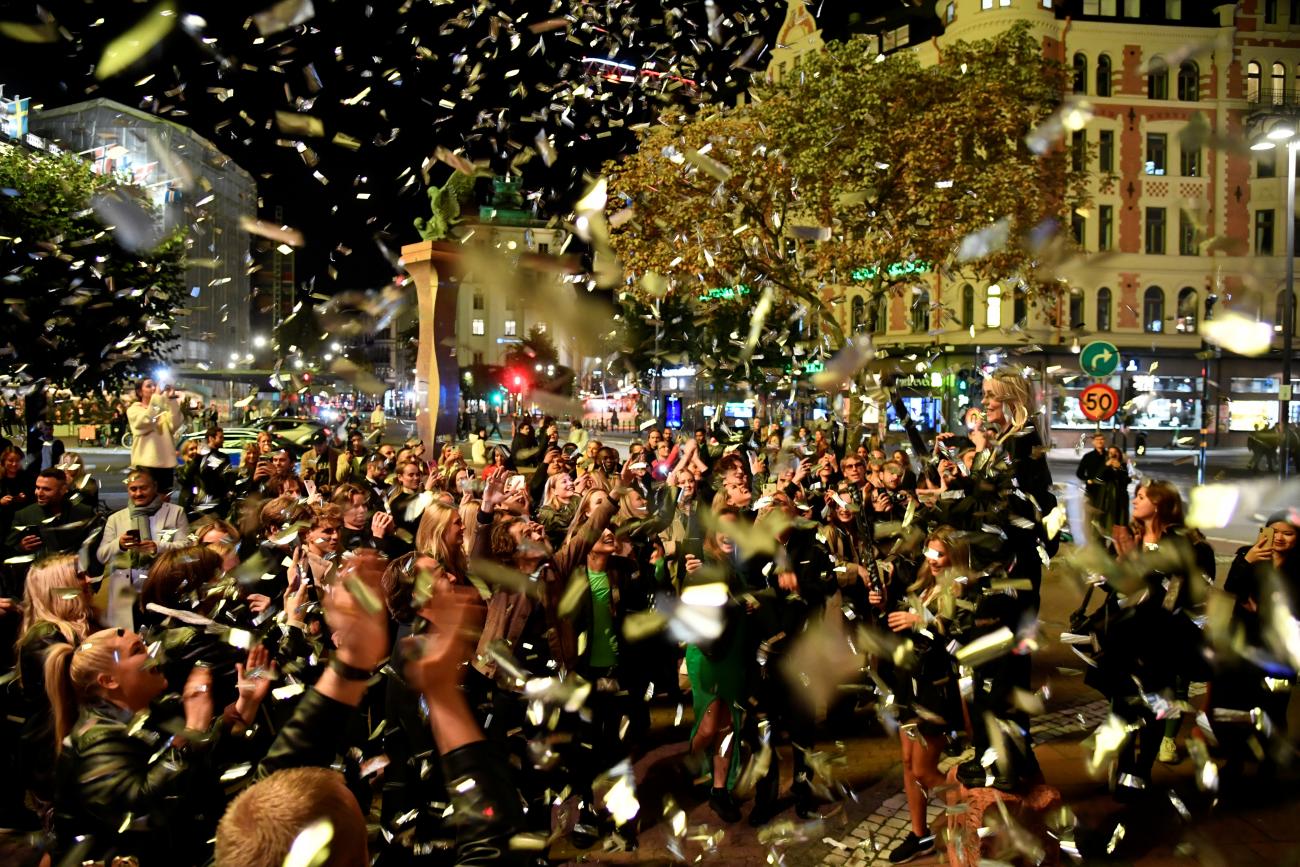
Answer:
(196, 696)
(358, 620)
(253, 681)
(456, 614)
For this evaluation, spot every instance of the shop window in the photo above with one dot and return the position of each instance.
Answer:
(1153, 310)
(968, 306)
(859, 315)
(1279, 312)
(1278, 84)
(921, 313)
(993, 307)
(1105, 227)
(1103, 75)
(1264, 232)
(1188, 238)
(476, 327)
(1187, 307)
(1158, 79)
(1076, 308)
(1080, 73)
(1155, 227)
(1106, 151)
(1189, 81)
(1254, 78)
(1157, 153)
(1103, 309)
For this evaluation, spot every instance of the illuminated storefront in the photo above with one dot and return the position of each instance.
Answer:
(1152, 402)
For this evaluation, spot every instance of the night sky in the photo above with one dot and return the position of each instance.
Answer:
(389, 83)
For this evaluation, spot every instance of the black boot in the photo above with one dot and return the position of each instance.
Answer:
(723, 805)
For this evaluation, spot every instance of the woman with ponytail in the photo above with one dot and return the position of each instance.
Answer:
(134, 766)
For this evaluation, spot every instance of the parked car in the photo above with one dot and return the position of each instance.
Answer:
(297, 430)
(237, 438)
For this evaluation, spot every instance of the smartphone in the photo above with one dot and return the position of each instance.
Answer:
(693, 547)
(263, 459)
(310, 486)
(1266, 537)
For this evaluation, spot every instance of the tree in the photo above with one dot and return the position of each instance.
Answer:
(851, 166)
(83, 311)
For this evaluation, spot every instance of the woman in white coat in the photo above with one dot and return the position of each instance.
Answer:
(154, 418)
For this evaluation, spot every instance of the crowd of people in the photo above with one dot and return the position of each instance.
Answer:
(374, 651)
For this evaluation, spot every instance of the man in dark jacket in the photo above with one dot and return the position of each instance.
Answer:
(1089, 472)
(51, 525)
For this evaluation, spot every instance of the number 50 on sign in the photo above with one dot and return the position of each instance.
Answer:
(1098, 402)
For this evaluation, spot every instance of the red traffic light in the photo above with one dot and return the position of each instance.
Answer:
(306, 377)
(516, 380)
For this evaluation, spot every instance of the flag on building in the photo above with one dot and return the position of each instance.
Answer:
(14, 115)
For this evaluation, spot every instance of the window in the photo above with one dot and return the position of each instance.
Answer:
(968, 306)
(1188, 237)
(880, 315)
(1106, 151)
(478, 301)
(1279, 313)
(1295, 11)
(1189, 162)
(1132, 8)
(986, 4)
(1091, 7)
(1076, 308)
(478, 358)
(543, 248)
(892, 40)
(540, 326)
(1270, 11)
(1157, 144)
(1266, 163)
(1278, 84)
(1254, 77)
(1105, 227)
(950, 13)
(1155, 230)
(858, 321)
(1153, 310)
(1187, 303)
(1004, 2)
(1264, 232)
(1158, 79)
(1019, 306)
(511, 330)
(1079, 228)
(476, 327)
(1078, 150)
(921, 313)
(993, 307)
(1174, 10)
(1103, 309)
(1103, 75)
(1080, 73)
(1189, 81)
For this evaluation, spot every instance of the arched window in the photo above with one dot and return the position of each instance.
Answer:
(921, 313)
(859, 315)
(1076, 308)
(1254, 77)
(1103, 75)
(993, 307)
(1158, 79)
(1278, 84)
(1019, 307)
(1153, 310)
(1103, 309)
(1279, 313)
(968, 306)
(1080, 73)
(1189, 81)
(1187, 311)
(881, 317)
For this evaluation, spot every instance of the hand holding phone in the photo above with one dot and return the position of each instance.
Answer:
(129, 539)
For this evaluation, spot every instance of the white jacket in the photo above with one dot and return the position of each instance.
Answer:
(477, 450)
(153, 427)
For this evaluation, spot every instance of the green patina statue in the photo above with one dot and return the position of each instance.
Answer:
(444, 207)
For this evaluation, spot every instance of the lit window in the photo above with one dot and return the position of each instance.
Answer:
(541, 327)
(1157, 144)
(510, 328)
(476, 327)
(1153, 310)
(993, 307)
(1254, 77)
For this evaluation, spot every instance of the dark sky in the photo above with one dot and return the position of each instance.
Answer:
(483, 78)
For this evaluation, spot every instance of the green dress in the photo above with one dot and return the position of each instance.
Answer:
(720, 675)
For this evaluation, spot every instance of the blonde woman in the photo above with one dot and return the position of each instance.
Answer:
(441, 535)
(56, 610)
(154, 418)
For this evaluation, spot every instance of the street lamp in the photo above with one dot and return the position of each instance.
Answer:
(1285, 133)
(259, 341)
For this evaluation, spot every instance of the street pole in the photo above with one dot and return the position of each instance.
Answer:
(1288, 312)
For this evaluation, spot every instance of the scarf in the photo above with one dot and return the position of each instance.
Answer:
(148, 510)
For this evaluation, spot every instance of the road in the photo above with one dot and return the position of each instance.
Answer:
(1227, 466)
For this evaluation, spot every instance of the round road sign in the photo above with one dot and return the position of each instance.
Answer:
(1099, 358)
(1098, 402)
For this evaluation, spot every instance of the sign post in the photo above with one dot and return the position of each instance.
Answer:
(1099, 359)
(1098, 402)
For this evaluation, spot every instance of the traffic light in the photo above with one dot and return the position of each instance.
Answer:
(516, 380)
(306, 377)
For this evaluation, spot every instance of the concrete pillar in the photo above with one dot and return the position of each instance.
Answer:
(432, 265)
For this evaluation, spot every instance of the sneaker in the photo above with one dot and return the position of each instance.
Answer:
(911, 847)
(1168, 751)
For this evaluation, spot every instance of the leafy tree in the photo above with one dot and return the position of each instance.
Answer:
(832, 175)
(83, 312)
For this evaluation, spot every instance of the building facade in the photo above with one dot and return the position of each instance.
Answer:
(1185, 222)
(193, 185)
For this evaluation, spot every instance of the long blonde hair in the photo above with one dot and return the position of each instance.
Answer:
(71, 673)
(1013, 391)
(47, 597)
(429, 539)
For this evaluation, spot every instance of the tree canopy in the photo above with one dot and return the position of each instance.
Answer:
(83, 311)
(846, 167)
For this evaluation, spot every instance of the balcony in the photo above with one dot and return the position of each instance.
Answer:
(1273, 99)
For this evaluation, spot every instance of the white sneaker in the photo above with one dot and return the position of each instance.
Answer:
(1168, 751)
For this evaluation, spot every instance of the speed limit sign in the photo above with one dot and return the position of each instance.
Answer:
(1098, 402)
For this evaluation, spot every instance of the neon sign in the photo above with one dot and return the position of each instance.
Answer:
(724, 293)
(893, 270)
